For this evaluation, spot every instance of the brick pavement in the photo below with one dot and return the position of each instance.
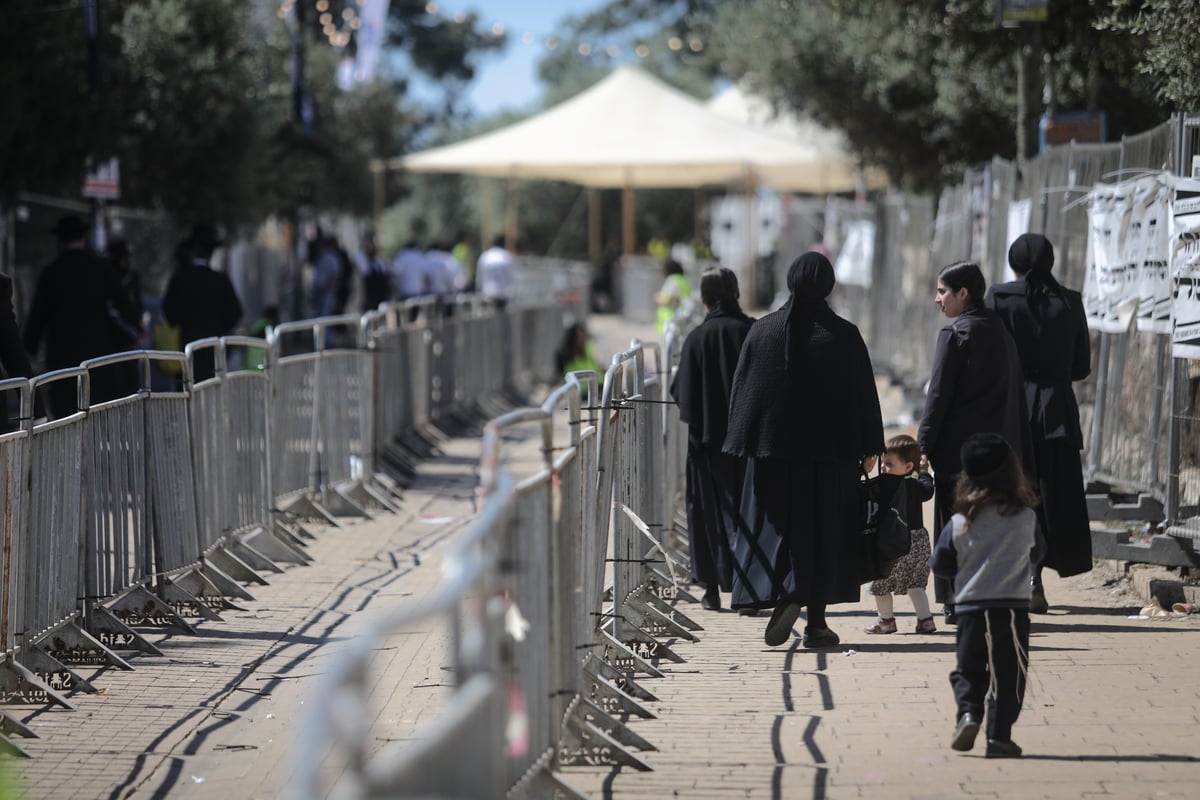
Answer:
(1112, 710)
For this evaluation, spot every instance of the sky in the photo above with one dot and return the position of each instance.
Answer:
(508, 79)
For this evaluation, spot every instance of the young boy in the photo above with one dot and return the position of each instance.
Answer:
(986, 551)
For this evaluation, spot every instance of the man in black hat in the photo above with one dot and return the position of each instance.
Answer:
(75, 295)
(200, 300)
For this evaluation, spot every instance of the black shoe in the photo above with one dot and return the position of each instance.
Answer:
(712, 599)
(1037, 600)
(747, 612)
(820, 637)
(948, 614)
(1002, 748)
(779, 629)
(964, 733)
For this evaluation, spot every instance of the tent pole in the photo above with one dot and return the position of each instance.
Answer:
(378, 171)
(697, 204)
(511, 221)
(628, 230)
(751, 290)
(593, 200)
(487, 227)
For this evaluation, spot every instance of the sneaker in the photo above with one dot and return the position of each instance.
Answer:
(779, 629)
(964, 733)
(926, 626)
(1002, 748)
(882, 625)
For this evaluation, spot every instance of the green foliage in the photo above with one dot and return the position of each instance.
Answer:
(196, 101)
(1169, 30)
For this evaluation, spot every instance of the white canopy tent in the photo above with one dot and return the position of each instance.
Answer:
(632, 130)
(827, 167)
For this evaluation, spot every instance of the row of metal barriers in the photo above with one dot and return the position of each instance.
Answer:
(160, 507)
(556, 603)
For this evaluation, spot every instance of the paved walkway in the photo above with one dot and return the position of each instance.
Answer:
(1112, 710)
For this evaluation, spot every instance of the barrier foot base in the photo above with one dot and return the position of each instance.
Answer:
(597, 667)
(664, 587)
(305, 507)
(21, 686)
(139, 607)
(611, 698)
(55, 673)
(11, 726)
(115, 634)
(583, 745)
(343, 500)
(378, 495)
(603, 721)
(73, 646)
(294, 533)
(9, 747)
(622, 658)
(193, 595)
(252, 558)
(223, 559)
(224, 583)
(274, 548)
(656, 603)
(544, 782)
(649, 621)
(389, 487)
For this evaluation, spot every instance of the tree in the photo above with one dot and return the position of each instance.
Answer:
(1170, 31)
(924, 92)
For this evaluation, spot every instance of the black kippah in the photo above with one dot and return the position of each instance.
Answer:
(983, 454)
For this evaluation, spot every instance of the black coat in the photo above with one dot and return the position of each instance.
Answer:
(201, 302)
(976, 387)
(75, 295)
(706, 365)
(13, 357)
(829, 412)
(1054, 350)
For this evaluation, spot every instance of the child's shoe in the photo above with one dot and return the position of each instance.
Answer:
(882, 625)
(926, 625)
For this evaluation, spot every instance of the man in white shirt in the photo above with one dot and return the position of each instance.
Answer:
(408, 272)
(495, 273)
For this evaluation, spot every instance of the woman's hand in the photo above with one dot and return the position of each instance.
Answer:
(868, 463)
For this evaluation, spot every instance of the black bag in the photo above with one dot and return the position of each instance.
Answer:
(885, 531)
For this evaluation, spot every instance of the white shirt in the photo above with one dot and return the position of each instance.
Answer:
(495, 273)
(408, 272)
(437, 277)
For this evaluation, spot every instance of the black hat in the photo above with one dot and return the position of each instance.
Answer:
(984, 453)
(205, 237)
(70, 228)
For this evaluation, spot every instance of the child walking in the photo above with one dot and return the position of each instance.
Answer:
(911, 573)
(987, 552)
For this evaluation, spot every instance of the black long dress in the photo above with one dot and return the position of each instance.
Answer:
(976, 387)
(803, 413)
(714, 480)
(1052, 342)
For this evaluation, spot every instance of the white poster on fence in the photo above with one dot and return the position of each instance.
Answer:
(1185, 268)
(1019, 214)
(1152, 211)
(854, 260)
(1105, 283)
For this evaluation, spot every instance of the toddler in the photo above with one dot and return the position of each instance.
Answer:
(986, 551)
(911, 573)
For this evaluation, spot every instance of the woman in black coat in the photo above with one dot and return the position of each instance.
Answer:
(803, 413)
(976, 387)
(701, 388)
(1047, 323)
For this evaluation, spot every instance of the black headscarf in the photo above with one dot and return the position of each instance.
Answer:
(810, 280)
(1033, 256)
